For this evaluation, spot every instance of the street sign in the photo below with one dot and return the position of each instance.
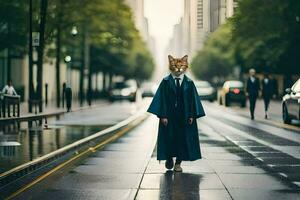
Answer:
(35, 39)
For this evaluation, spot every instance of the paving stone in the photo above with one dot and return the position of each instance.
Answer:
(263, 194)
(252, 181)
(184, 195)
(184, 181)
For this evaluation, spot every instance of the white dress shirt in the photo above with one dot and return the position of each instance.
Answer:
(266, 80)
(181, 76)
(10, 90)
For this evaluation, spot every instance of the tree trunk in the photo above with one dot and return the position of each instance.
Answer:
(83, 62)
(57, 65)
(96, 82)
(58, 53)
(90, 86)
(104, 82)
(110, 80)
(30, 59)
(8, 64)
(43, 12)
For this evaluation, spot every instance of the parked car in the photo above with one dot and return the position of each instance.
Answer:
(148, 89)
(291, 103)
(232, 91)
(205, 90)
(124, 90)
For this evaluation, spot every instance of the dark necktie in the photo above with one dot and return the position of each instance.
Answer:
(177, 90)
(177, 83)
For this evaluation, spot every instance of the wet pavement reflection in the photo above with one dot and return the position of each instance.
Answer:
(25, 144)
(179, 186)
(26, 141)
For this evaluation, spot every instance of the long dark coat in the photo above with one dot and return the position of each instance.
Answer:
(267, 89)
(253, 87)
(162, 106)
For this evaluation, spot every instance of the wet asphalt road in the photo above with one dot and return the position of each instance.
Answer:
(242, 159)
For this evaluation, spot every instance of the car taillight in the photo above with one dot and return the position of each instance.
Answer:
(236, 91)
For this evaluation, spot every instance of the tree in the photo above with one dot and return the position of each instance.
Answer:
(266, 34)
(217, 56)
(13, 29)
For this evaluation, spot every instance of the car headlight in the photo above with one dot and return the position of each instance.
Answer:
(125, 92)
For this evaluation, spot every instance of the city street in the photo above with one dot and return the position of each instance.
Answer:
(97, 97)
(242, 159)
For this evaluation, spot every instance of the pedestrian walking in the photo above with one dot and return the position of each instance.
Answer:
(267, 92)
(68, 94)
(177, 105)
(252, 89)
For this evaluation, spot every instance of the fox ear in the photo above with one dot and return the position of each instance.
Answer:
(170, 58)
(185, 58)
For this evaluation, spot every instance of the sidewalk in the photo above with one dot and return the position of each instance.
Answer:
(51, 109)
(226, 172)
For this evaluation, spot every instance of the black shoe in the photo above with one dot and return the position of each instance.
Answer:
(266, 116)
(169, 163)
(252, 117)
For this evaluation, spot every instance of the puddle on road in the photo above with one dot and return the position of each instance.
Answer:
(20, 144)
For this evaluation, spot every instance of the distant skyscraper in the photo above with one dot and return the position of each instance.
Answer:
(214, 15)
(141, 22)
(200, 18)
(226, 9)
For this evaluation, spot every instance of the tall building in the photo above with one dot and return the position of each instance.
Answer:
(200, 18)
(175, 46)
(226, 9)
(214, 15)
(201, 25)
(137, 7)
(141, 23)
(195, 25)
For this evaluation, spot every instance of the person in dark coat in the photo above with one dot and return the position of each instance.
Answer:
(267, 92)
(252, 89)
(177, 105)
(68, 94)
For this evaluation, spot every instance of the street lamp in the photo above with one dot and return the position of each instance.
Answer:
(74, 31)
(68, 89)
(68, 60)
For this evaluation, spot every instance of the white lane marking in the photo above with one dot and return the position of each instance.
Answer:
(280, 132)
(283, 174)
(297, 183)
(243, 134)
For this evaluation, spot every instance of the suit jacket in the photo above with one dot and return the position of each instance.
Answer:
(253, 87)
(267, 89)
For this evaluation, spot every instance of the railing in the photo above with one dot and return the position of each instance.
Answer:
(8, 101)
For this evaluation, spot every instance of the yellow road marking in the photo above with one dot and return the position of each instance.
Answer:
(91, 150)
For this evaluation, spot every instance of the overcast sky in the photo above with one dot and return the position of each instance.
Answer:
(162, 16)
